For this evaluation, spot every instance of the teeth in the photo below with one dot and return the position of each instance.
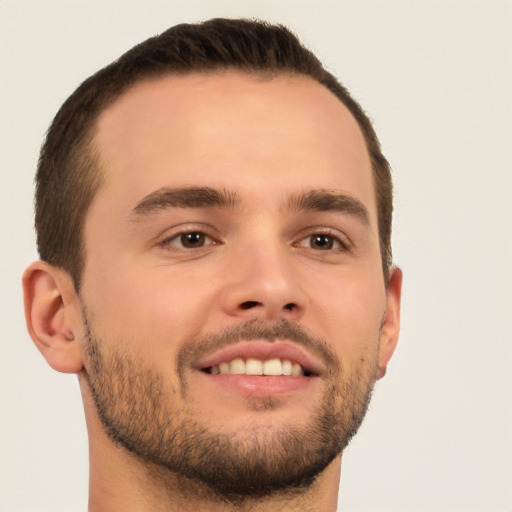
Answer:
(287, 367)
(297, 370)
(253, 367)
(273, 367)
(237, 367)
(257, 367)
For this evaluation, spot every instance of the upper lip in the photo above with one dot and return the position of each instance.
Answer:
(263, 350)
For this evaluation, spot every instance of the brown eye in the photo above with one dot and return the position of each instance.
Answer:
(187, 241)
(192, 240)
(321, 242)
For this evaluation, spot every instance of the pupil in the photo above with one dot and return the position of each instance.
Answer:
(322, 241)
(192, 239)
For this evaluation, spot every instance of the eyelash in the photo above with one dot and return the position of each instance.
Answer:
(335, 242)
(343, 245)
(168, 245)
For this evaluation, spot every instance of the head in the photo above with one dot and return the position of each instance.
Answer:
(211, 207)
(69, 172)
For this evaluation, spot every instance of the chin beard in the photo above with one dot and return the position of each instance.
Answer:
(140, 413)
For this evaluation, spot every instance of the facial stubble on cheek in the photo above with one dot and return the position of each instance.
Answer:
(141, 413)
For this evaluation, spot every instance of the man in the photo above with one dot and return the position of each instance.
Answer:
(213, 214)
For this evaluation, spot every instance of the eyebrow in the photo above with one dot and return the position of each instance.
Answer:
(208, 197)
(326, 200)
(187, 197)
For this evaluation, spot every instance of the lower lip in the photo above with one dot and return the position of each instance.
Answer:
(252, 385)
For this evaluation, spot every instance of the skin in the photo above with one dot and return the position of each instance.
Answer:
(265, 141)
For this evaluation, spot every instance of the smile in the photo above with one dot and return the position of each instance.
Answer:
(253, 366)
(260, 358)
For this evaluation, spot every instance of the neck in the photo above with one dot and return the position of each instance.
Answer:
(124, 483)
(120, 481)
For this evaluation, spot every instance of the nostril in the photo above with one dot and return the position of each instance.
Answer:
(289, 306)
(250, 304)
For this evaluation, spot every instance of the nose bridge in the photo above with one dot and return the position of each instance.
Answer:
(262, 281)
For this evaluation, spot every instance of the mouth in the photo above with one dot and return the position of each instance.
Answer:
(274, 367)
(262, 368)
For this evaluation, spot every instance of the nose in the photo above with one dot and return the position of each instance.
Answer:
(263, 283)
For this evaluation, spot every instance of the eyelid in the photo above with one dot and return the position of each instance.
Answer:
(166, 237)
(342, 239)
(168, 241)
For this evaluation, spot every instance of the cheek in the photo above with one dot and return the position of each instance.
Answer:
(155, 309)
(349, 313)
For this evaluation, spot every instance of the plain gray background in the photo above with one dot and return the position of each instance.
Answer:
(436, 77)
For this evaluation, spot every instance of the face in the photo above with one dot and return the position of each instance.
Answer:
(235, 307)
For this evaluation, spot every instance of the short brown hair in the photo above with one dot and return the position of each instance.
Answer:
(68, 173)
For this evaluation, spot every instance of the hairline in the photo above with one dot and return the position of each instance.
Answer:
(91, 154)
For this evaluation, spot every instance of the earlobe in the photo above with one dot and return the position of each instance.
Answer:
(391, 322)
(52, 315)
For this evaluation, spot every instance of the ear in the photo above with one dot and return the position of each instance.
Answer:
(53, 315)
(391, 322)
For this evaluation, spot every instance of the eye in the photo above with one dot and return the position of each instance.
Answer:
(188, 240)
(192, 240)
(323, 242)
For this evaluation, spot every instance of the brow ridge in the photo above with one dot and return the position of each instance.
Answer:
(208, 197)
(326, 200)
(185, 197)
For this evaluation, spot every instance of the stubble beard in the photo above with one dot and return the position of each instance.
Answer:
(141, 414)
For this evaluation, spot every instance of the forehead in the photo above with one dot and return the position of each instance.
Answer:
(231, 128)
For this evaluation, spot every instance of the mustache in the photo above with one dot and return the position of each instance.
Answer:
(254, 330)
